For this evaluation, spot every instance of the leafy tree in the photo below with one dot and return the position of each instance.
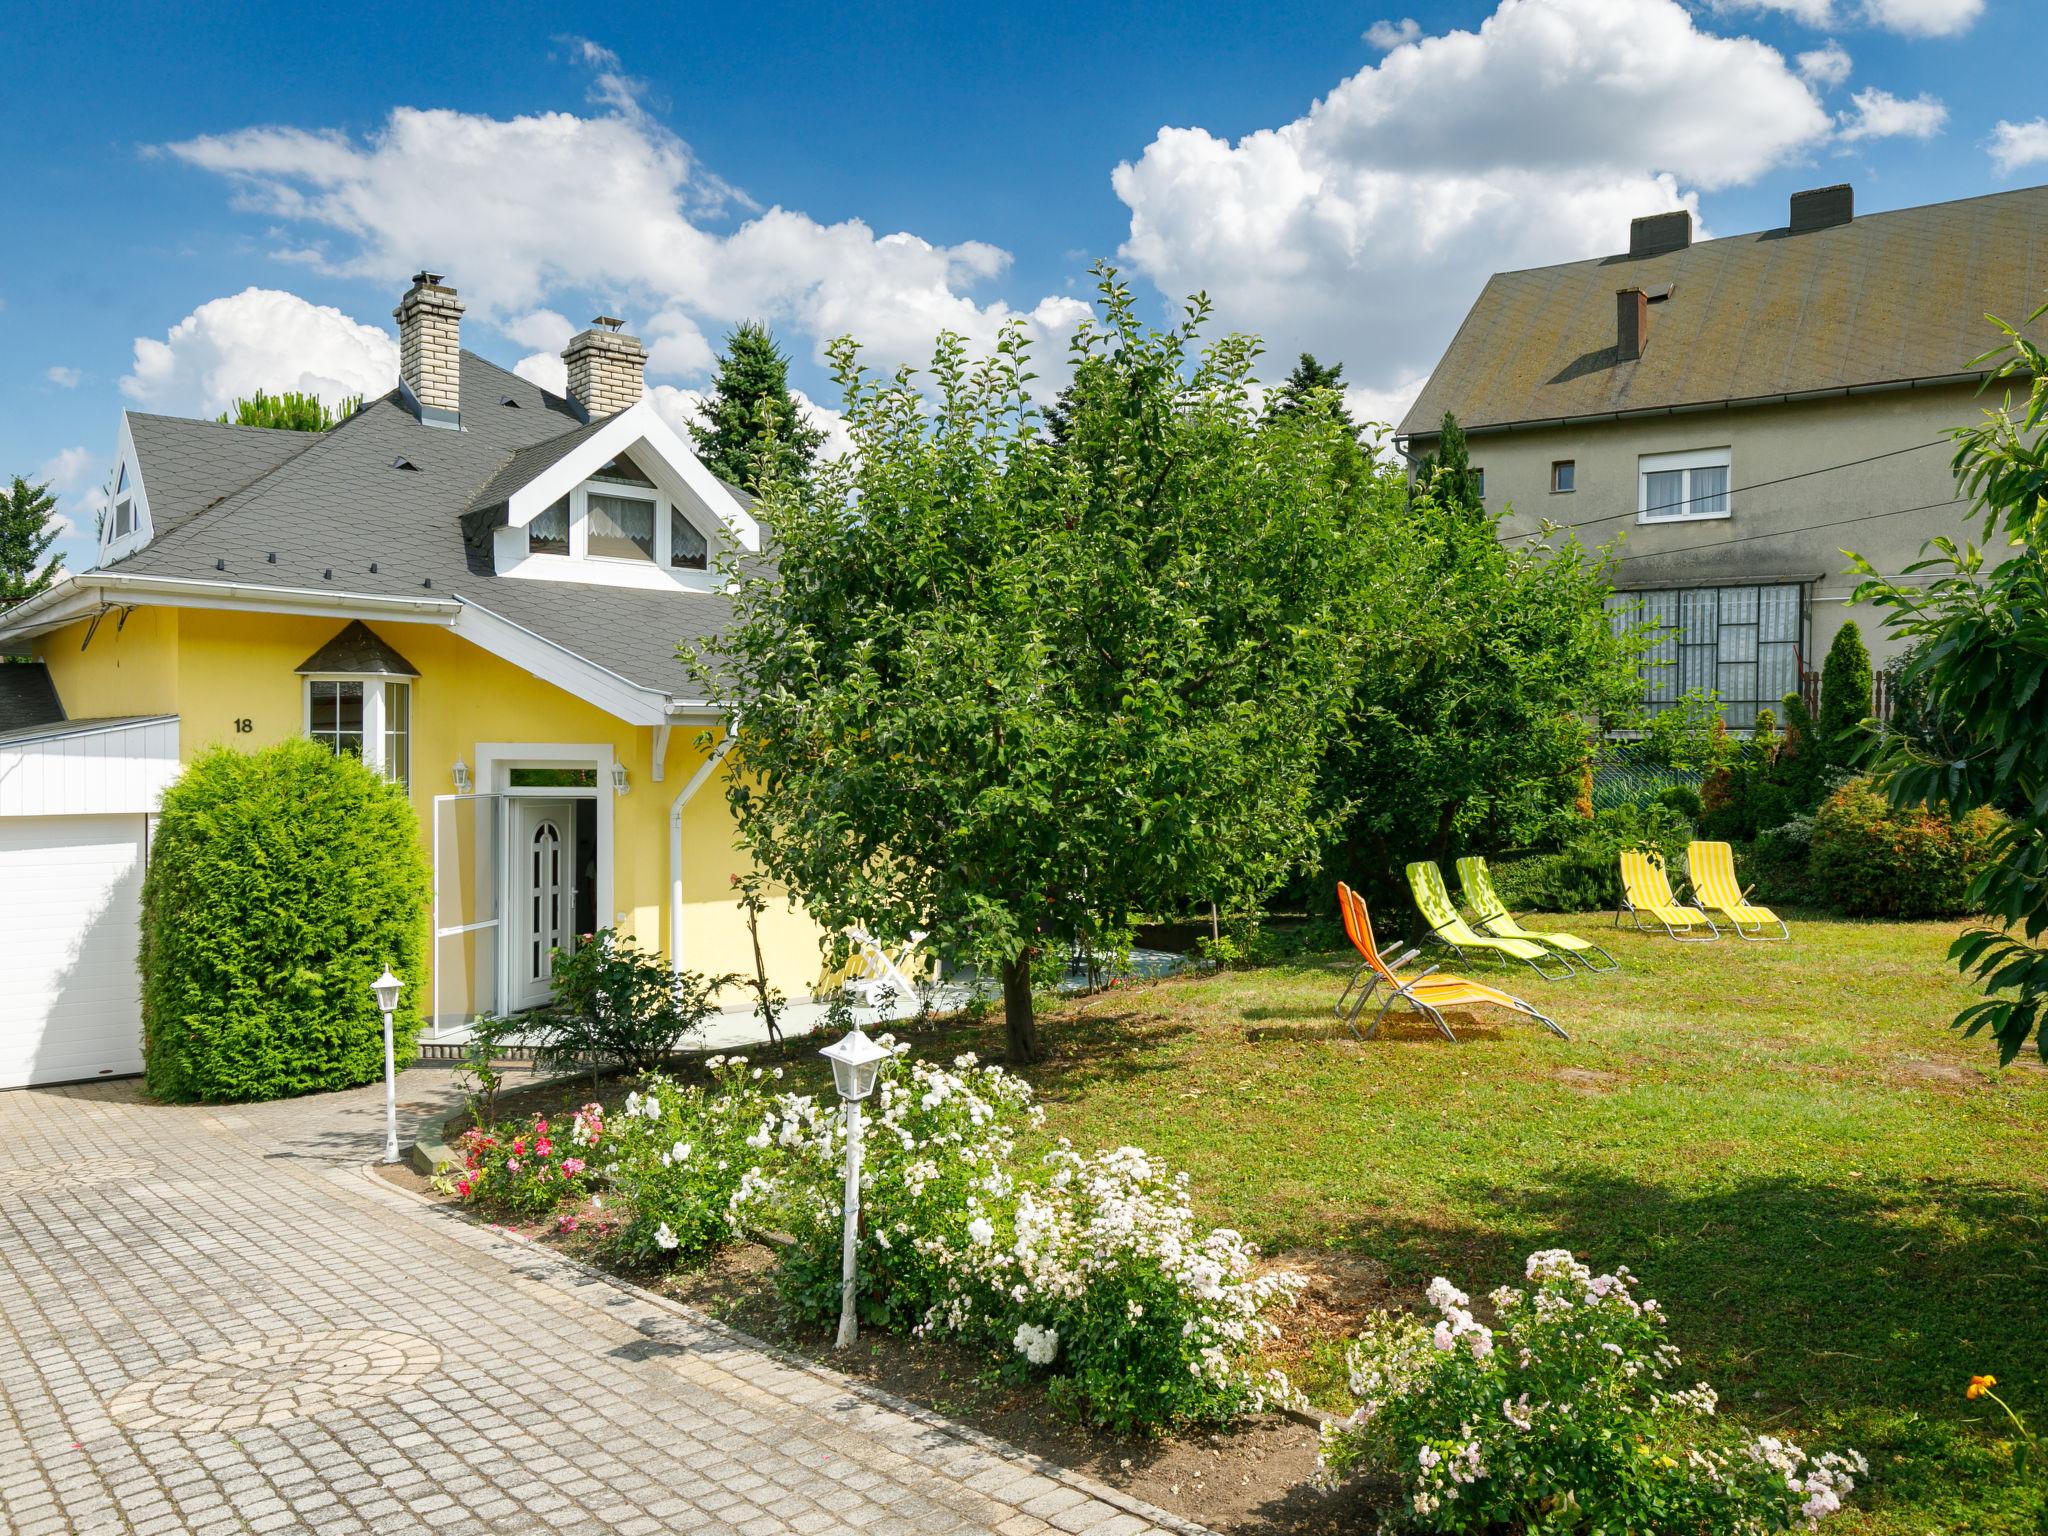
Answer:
(27, 531)
(1486, 675)
(290, 412)
(1979, 653)
(1013, 691)
(750, 412)
(1844, 697)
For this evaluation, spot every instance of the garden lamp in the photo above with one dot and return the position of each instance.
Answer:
(386, 989)
(855, 1061)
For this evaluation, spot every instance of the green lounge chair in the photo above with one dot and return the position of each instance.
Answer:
(1451, 930)
(1475, 883)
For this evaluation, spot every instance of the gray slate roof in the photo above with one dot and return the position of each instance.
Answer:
(336, 515)
(187, 465)
(359, 648)
(1888, 297)
(28, 698)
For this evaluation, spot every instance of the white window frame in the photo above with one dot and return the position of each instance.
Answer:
(374, 716)
(664, 546)
(1663, 463)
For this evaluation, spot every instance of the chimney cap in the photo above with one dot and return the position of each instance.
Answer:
(609, 322)
(426, 279)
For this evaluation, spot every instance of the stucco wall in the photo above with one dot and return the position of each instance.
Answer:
(1758, 541)
(215, 668)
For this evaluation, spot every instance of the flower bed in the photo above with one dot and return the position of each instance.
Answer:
(1088, 1272)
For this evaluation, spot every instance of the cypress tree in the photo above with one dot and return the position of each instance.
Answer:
(1448, 470)
(750, 402)
(1844, 697)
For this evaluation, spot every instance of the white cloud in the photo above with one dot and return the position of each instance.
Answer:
(1881, 115)
(545, 369)
(1923, 18)
(2013, 145)
(1826, 66)
(260, 338)
(1913, 18)
(1362, 230)
(1389, 35)
(519, 211)
(62, 377)
(543, 328)
(78, 477)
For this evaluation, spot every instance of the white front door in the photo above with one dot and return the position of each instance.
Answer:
(543, 859)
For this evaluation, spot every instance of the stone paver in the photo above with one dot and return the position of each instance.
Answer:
(215, 1322)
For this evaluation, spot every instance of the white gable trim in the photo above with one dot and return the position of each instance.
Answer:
(125, 456)
(552, 663)
(678, 471)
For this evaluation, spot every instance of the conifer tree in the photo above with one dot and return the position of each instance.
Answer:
(1844, 696)
(749, 402)
(27, 530)
(288, 411)
(1448, 474)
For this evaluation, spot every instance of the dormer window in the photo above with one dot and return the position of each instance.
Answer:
(619, 515)
(122, 515)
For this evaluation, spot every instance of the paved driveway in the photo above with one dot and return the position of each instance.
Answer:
(212, 1321)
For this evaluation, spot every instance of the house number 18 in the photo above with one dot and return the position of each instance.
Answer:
(243, 727)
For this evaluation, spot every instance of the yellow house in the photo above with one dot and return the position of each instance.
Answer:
(477, 586)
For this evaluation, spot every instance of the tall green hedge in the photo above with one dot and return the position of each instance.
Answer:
(280, 883)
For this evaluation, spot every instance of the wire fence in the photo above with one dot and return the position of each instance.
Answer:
(1624, 777)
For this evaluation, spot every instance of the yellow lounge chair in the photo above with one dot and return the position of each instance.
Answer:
(1427, 992)
(1475, 880)
(1448, 927)
(1646, 892)
(1711, 868)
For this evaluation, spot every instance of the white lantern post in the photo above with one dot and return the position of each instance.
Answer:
(855, 1062)
(387, 987)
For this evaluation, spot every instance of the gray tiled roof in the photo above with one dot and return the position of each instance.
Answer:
(1886, 298)
(187, 464)
(28, 697)
(359, 648)
(338, 516)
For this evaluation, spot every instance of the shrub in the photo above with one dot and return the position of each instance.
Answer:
(528, 1172)
(677, 1157)
(1683, 801)
(616, 1003)
(1872, 861)
(1559, 1418)
(1585, 874)
(280, 884)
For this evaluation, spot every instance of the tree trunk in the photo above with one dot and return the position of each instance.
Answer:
(1017, 1015)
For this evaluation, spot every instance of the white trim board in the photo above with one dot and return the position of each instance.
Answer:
(494, 760)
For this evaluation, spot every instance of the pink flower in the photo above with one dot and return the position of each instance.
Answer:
(571, 1166)
(519, 1146)
(544, 1147)
(511, 1165)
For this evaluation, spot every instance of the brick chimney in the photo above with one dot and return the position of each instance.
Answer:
(607, 370)
(430, 350)
(1631, 323)
(1656, 233)
(1822, 207)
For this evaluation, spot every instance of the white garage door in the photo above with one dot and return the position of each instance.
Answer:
(70, 907)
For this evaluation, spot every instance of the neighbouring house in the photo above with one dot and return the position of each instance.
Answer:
(475, 585)
(1744, 409)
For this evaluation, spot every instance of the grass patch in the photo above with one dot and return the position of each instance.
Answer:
(1842, 1203)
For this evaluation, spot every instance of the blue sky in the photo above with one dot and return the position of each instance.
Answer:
(1339, 179)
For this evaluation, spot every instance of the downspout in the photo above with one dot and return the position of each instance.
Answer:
(675, 847)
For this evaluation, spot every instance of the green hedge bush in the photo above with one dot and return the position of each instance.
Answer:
(1585, 874)
(280, 884)
(1869, 860)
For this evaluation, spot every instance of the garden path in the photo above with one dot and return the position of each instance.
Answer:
(216, 1321)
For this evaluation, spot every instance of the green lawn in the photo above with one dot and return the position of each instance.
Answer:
(1841, 1203)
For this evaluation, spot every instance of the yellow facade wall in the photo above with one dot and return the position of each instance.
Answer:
(232, 679)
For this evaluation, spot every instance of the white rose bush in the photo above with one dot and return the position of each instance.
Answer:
(1562, 1416)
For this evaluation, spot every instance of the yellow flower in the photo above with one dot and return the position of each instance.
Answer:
(1979, 1385)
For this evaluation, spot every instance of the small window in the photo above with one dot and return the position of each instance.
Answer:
(1679, 486)
(624, 471)
(397, 764)
(687, 548)
(548, 534)
(1479, 481)
(121, 484)
(620, 527)
(124, 517)
(336, 715)
(1564, 475)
